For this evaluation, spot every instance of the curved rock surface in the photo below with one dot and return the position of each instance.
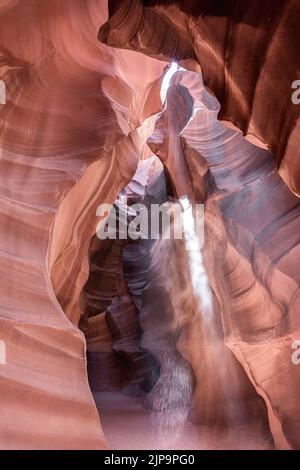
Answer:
(80, 126)
(248, 53)
(250, 263)
(111, 297)
(70, 139)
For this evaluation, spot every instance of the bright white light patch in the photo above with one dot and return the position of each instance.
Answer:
(197, 269)
(2, 92)
(2, 353)
(166, 81)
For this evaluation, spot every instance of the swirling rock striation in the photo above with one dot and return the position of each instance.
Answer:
(248, 53)
(250, 249)
(71, 137)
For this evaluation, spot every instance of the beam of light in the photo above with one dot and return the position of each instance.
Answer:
(2, 353)
(166, 81)
(198, 273)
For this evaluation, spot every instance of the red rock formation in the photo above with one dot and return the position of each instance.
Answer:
(248, 53)
(252, 269)
(68, 142)
(76, 123)
(248, 57)
(110, 305)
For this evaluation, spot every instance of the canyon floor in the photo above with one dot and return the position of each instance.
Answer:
(129, 426)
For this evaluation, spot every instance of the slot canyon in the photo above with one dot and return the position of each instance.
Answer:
(110, 111)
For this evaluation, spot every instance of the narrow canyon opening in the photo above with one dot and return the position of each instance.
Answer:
(158, 366)
(185, 342)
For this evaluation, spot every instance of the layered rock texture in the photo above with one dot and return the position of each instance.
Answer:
(248, 53)
(71, 138)
(252, 273)
(84, 125)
